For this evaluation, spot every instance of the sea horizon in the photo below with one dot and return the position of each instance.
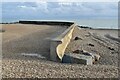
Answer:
(93, 23)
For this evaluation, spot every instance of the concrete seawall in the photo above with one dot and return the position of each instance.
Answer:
(59, 44)
(66, 23)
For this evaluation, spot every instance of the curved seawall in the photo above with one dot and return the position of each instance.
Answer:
(58, 44)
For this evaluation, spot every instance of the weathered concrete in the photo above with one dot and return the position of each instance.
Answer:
(77, 58)
(47, 22)
(94, 56)
(59, 44)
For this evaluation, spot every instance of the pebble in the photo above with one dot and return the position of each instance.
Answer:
(45, 69)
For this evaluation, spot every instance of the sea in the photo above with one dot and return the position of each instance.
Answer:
(93, 23)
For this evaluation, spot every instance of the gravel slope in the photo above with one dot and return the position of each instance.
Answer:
(48, 69)
(14, 65)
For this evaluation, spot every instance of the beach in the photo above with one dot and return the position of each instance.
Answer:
(35, 40)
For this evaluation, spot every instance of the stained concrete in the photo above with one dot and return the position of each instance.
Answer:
(77, 58)
(60, 43)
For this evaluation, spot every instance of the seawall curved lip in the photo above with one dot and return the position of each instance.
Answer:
(67, 21)
(47, 22)
(60, 37)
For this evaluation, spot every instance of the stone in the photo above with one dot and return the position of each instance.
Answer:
(78, 38)
(91, 44)
(77, 58)
(110, 48)
(97, 57)
(87, 35)
(78, 51)
(94, 56)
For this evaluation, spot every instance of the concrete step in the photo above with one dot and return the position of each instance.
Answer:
(77, 58)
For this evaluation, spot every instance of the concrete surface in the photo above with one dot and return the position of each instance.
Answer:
(77, 58)
(59, 44)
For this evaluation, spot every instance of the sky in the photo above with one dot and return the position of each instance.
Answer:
(59, 10)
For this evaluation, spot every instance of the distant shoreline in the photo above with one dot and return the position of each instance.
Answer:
(81, 26)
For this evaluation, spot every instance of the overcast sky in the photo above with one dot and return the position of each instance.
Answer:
(59, 10)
